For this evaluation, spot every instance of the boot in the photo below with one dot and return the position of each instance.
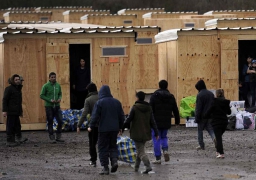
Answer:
(58, 138)
(104, 171)
(147, 164)
(11, 141)
(114, 165)
(52, 139)
(20, 140)
(137, 164)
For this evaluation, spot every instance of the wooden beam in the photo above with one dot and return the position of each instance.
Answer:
(27, 127)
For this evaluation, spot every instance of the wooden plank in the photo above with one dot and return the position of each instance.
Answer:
(27, 127)
(229, 42)
(1, 78)
(163, 61)
(56, 48)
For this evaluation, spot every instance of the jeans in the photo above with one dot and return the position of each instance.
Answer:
(13, 128)
(252, 88)
(204, 124)
(93, 139)
(107, 147)
(162, 141)
(52, 112)
(219, 131)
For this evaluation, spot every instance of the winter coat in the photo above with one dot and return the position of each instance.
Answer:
(246, 76)
(107, 112)
(82, 78)
(204, 100)
(218, 112)
(163, 104)
(142, 120)
(89, 103)
(12, 100)
(51, 92)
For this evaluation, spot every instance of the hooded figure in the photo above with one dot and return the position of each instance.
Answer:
(204, 100)
(109, 116)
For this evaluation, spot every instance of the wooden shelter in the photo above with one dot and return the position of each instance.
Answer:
(236, 13)
(57, 11)
(74, 16)
(111, 19)
(27, 16)
(230, 22)
(160, 15)
(32, 53)
(186, 56)
(140, 12)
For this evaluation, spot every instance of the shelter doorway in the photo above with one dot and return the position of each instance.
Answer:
(76, 53)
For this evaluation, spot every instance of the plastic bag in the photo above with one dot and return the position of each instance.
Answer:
(126, 149)
(187, 106)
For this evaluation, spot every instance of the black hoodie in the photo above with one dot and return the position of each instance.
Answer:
(163, 104)
(218, 111)
(204, 100)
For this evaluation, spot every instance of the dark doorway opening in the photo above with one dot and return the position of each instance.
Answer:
(246, 47)
(76, 53)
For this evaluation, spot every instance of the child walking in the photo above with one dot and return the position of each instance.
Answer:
(218, 112)
(142, 120)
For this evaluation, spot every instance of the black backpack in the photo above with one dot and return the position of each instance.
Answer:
(247, 122)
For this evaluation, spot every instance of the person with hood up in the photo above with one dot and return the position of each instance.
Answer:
(204, 100)
(163, 104)
(142, 120)
(12, 109)
(108, 115)
(218, 111)
(51, 94)
(89, 103)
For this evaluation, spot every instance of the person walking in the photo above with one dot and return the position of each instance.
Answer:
(108, 114)
(204, 100)
(51, 94)
(89, 103)
(164, 105)
(142, 120)
(218, 111)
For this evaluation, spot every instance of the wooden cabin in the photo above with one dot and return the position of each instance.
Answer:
(74, 16)
(111, 19)
(140, 12)
(125, 58)
(236, 13)
(160, 15)
(230, 22)
(214, 55)
(57, 11)
(27, 16)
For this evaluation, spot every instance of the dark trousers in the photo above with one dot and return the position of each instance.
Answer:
(93, 139)
(245, 90)
(219, 131)
(252, 88)
(107, 147)
(204, 124)
(81, 95)
(52, 112)
(13, 128)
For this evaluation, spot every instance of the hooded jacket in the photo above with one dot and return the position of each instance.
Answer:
(163, 104)
(218, 111)
(204, 100)
(142, 120)
(51, 91)
(107, 112)
(12, 99)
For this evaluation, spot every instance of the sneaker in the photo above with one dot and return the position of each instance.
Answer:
(199, 148)
(157, 161)
(52, 139)
(104, 171)
(58, 138)
(114, 167)
(21, 140)
(93, 163)
(147, 170)
(220, 156)
(12, 144)
(217, 154)
(166, 156)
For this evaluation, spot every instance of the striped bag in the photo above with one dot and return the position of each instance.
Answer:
(126, 149)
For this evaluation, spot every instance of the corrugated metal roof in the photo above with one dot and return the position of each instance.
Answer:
(172, 34)
(83, 11)
(26, 12)
(31, 22)
(143, 9)
(215, 21)
(64, 7)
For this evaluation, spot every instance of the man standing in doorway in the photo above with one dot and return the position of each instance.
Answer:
(51, 94)
(204, 100)
(163, 104)
(12, 109)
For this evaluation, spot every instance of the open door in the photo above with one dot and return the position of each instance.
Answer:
(57, 60)
(229, 67)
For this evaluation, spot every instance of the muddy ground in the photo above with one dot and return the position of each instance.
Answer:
(37, 159)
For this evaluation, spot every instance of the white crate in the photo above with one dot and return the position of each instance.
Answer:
(191, 122)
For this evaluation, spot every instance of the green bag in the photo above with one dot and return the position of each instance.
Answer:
(187, 106)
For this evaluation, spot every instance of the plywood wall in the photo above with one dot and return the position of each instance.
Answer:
(27, 17)
(74, 17)
(27, 58)
(198, 57)
(1, 78)
(236, 23)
